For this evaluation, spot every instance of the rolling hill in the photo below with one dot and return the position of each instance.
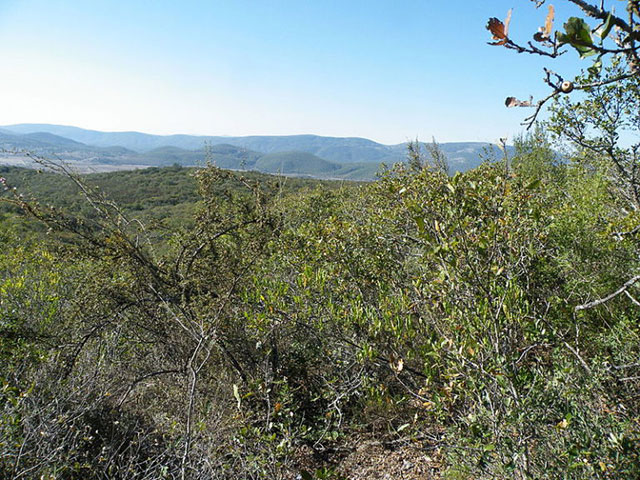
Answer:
(303, 155)
(295, 162)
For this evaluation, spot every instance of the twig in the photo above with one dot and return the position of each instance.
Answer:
(607, 81)
(622, 289)
(143, 378)
(635, 302)
(577, 355)
(622, 367)
(619, 235)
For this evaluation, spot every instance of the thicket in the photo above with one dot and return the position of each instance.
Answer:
(419, 307)
(489, 318)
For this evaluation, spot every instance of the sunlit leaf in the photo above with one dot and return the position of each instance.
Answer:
(534, 184)
(606, 28)
(578, 35)
(236, 394)
(403, 427)
(596, 68)
(514, 102)
(499, 30)
(548, 23)
(507, 21)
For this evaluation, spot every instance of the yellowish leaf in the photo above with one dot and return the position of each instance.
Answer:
(548, 23)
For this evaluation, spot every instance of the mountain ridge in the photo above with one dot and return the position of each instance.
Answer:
(302, 154)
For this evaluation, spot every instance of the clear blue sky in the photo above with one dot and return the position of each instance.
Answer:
(385, 70)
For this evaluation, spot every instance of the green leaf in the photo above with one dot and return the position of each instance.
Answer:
(236, 394)
(534, 184)
(596, 68)
(578, 35)
(606, 28)
(304, 475)
(403, 427)
(585, 51)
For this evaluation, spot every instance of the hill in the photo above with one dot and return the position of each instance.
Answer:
(295, 162)
(158, 195)
(381, 322)
(462, 155)
(342, 150)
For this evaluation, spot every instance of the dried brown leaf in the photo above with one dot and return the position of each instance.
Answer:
(496, 27)
(548, 23)
(514, 102)
(499, 30)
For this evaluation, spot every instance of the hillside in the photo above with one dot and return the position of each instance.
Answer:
(243, 152)
(342, 150)
(301, 163)
(159, 196)
(38, 140)
(353, 330)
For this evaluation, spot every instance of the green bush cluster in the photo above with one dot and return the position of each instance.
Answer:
(419, 307)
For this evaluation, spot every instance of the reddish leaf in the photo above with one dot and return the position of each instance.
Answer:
(499, 30)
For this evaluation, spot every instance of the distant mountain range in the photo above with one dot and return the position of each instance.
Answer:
(305, 155)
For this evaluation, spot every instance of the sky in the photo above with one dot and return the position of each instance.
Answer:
(385, 70)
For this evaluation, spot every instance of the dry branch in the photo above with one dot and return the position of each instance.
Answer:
(622, 289)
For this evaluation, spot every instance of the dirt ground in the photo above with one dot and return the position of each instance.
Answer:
(369, 459)
(375, 462)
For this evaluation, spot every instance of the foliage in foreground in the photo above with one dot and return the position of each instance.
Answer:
(418, 307)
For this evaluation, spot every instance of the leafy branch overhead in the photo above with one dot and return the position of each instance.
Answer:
(610, 35)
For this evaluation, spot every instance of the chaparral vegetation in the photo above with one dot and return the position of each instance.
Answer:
(227, 325)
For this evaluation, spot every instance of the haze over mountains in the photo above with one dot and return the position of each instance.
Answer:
(306, 155)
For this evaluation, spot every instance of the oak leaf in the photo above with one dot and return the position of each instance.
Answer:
(499, 30)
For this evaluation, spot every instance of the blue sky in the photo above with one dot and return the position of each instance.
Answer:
(384, 70)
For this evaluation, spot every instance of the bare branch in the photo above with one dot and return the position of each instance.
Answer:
(633, 300)
(577, 355)
(622, 289)
(621, 235)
